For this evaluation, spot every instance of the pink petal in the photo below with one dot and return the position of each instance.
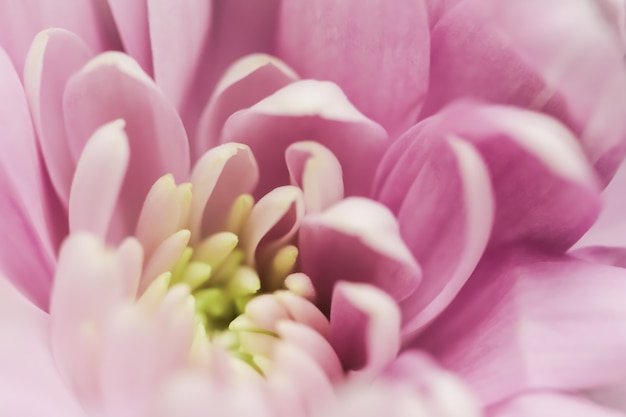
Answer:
(131, 19)
(142, 350)
(112, 86)
(244, 83)
(534, 322)
(445, 220)
(612, 396)
(317, 111)
(179, 35)
(22, 20)
(219, 177)
(28, 369)
(378, 52)
(97, 182)
(547, 404)
(356, 240)
(570, 67)
(365, 327)
(91, 281)
(27, 251)
(317, 172)
(53, 58)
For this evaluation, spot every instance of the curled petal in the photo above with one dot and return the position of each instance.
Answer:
(365, 327)
(356, 240)
(98, 180)
(387, 83)
(309, 110)
(317, 172)
(218, 178)
(245, 82)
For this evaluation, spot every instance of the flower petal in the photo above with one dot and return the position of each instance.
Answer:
(547, 404)
(53, 58)
(356, 240)
(378, 52)
(22, 20)
(97, 182)
(364, 328)
(527, 321)
(110, 87)
(27, 248)
(244, 83)
(28, 369)
(316, 111)
(179, 70)
(131, 19)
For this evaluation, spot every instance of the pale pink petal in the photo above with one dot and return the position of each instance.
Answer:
(365, 328)
(53, 58)
(356, 240)
(179, 35)
(28, 369)
(310, 110)
(27, 241)
(550, 404)
(304, 312)
(378, 52)
(446, 221)
(110, 87)
(142, 349)
(131, 19)
(273, 222)
(22, 20)
(314, 169)
(244, 83)
(612, 396)
(219, 177)
(164, 257)
(615, 13)
(91, 281)
(97, 182)
(534, 322)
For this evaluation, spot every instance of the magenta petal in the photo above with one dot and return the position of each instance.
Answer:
(22, 20)
(378, 52)
(28, 369)
(110, 87)
(356, 240)
(446, 221)
(245, 83)
(178, 68)
(364, 327)
(53, 58)
(310, 110)
(27, 252)
(547, 404)
(533, 322)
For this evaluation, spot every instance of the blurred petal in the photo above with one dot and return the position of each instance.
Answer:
(26, 250)
(546, 404)
(53, 58)
(378, 52)
(110, 87)
(243, 84)
(310, 110)
(356, 240)
(534, 322)
(21, 20)
(28, 369)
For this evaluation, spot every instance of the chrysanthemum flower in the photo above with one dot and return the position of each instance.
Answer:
(308, 208)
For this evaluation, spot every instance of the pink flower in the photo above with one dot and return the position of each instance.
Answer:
(275, 209)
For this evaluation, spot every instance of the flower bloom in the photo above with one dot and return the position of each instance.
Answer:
(309, 208)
